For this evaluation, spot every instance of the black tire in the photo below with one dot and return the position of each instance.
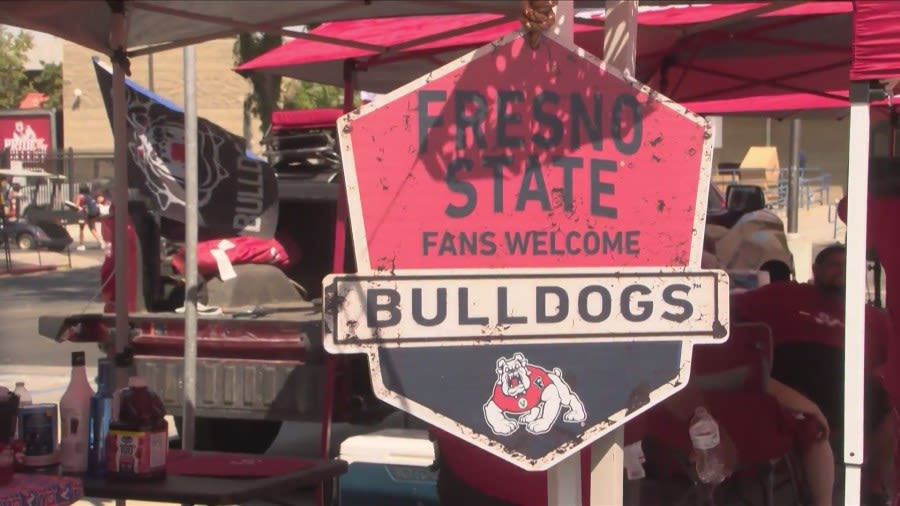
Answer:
(233, 436)
(26, 241)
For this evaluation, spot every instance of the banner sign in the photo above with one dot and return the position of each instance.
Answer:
(238, 191)
(528, 231)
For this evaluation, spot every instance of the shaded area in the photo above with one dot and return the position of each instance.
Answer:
(24, 298)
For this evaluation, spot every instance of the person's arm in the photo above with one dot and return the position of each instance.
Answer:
(795, 401)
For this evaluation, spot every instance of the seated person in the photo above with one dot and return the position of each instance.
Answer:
(807, 323)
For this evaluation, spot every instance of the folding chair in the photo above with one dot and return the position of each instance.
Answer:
(732, 374)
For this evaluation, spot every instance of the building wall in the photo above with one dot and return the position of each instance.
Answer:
(220, 92)
(825, 142)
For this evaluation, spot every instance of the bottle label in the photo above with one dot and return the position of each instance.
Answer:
(705, 441)
(37, 428)
(136, 453)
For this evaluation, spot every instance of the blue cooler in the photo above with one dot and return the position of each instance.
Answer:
(388, 468)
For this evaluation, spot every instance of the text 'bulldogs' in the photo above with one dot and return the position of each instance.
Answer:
(634, 305)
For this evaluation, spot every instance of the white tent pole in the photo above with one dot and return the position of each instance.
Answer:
(117, 35)
(855, 316)
(190, 247)
(564, 479)
(607, 454)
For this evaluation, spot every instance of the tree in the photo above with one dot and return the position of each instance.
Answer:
(49, 82)
(14, 83)
(309, 95)
(266, 93)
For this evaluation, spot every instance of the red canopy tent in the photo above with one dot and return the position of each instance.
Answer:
(710, 55)
(694, 52)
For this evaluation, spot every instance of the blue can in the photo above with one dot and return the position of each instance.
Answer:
(39, 428)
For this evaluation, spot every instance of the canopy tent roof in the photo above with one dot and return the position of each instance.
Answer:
(689, 52)
(803, 105)
(164, 24)
(876, 40)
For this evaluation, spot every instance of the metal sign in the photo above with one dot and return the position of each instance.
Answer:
(527, 225)
(449, 309)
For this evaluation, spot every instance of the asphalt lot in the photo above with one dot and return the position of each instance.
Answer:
(24, 298)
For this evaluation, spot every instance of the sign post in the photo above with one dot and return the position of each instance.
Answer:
(527, 225)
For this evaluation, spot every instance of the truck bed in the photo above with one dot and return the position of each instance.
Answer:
(54, 327)
(269, 366)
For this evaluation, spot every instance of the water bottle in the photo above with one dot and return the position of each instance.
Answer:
(704, 433)
(23, 393)
(24, 400)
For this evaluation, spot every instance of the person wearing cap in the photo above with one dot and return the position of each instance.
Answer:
(807, 324)
(883, 216)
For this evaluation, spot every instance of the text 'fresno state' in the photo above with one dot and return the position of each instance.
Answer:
(646, 305)
(519, 145)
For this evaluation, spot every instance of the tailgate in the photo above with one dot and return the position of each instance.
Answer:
(290, 335)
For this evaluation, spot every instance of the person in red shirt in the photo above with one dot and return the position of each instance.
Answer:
(807, 322)
(882, 216)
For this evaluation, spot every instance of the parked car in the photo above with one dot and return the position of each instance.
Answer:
(39, 235)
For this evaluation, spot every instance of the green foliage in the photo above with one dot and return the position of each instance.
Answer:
(266, 93)
(309, 95)
(16, 82)
(49, 82)
(269, 92)
(13, 57)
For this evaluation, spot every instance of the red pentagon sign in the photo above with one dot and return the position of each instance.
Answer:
(525, 158)
(527, 230)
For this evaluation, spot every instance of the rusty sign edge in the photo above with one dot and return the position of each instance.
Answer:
(616, 420)
(336, 345)
(354, 201)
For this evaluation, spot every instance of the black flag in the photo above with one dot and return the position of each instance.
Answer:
(238, 192)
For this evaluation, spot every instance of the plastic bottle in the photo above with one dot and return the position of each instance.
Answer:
(23, 393)
(138, 439)
(101, 416)
(704, 432)
(24, 400)
(75, 408)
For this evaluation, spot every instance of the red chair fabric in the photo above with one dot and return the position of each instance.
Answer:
(733, 377)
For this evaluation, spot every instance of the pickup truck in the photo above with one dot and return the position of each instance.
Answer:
(260, 355)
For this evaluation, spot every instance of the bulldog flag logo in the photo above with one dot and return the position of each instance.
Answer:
(238, 192)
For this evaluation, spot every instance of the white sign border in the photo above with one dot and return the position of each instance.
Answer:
(338, 346)
(364, 267)
(345, 127)
(495, 445)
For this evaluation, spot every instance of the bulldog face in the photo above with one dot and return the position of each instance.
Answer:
(513, 375)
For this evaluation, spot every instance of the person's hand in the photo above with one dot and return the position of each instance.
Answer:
(726, 451)
(821, 421)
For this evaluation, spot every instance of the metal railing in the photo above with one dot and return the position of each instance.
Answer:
(94, 169)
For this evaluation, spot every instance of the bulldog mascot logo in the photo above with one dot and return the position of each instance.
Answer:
(529, 395)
